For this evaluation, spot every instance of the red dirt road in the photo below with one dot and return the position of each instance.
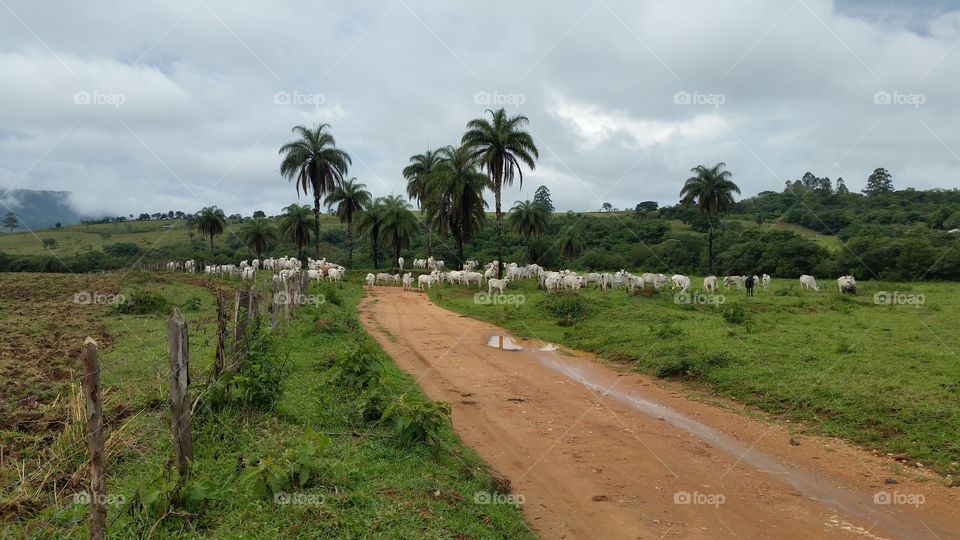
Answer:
(596, 453)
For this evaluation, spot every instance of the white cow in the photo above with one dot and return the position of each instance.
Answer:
(407, 280)
(335, 274)
(765, 280)
(384, 277)
(248, 273)
(680, 282)
(424, 279)
(315, 275)
(469, 277)
(551, 283)
(572, 282)
(734, 280)
(370, 280)
(499, 284)
(847, 284)
(809, 282)
(400, 262)
(710, 284)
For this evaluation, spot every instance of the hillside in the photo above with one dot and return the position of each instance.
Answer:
(39, 209)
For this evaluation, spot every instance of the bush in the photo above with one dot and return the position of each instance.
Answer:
(359, 368)
(565, 307)
(415, 419)
(734, 313)
(142, 302)
(691, 367)
(259, 382)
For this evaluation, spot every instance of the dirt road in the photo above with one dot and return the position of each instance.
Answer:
(596, 453)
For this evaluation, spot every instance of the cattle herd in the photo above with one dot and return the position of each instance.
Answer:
(283, 268)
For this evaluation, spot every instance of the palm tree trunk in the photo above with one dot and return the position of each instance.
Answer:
(496, 193)
(429, 241)
(710, 247)
(460, 251)
(316, 215)
(349, 242)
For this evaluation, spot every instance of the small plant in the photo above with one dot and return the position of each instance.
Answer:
(566, 308)
(142, 302)
(259, 383)
(691, 367)
(359, 368)
(192, 304)
(734, 313)
(415, 419)
(296, 467)
(667, 330)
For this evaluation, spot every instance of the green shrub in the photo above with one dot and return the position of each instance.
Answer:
(358, 368)
(691, 367)
(414, 419)
(143, 302)
(567, 308)
(295, 468)
(734, 313)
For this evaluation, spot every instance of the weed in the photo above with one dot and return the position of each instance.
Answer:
(734, 313)
(415, 419)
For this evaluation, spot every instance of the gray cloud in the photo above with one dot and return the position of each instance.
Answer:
(175, 105)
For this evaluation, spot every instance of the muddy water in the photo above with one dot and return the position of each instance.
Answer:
(810, 485)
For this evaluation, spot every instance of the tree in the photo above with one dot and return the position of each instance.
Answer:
(880, 181)
(571, 243)
(606, 207)
(841, 187)
(10, 221)
(711, 189)
(350, 198)
(369, 222)
(420, 168)
(211, 223)
(143, 217)
(259, 235)
(297, 227)
(315, 164)
(529, 220)
(542, 197)
(500, 145)
(259, 214)
(647, 206)
(398, 225)
(454, 197)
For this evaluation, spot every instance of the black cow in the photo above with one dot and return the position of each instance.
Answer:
(749, 283)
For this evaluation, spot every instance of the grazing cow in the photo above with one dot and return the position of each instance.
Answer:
(424, 279)
(370, 280)
(469, 277)
(809, 282)
(573, 282)
(551, 283)
(710, 284)
(847, 284)
(334, 274)
(680, 282)
(736, 281)
(765, 280)
(400, 262)
(384, 277)
(749, 282)
(498, 284)
(407, 280)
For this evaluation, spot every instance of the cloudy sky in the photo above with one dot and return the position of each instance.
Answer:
(174, 105)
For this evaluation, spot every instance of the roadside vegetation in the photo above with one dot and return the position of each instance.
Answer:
(875, 370)
(319, 435)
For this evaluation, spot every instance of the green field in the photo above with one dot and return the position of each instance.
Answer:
(886, 376)
(366, 481)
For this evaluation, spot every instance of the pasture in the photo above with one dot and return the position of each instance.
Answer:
(885, 375)
(367, 480)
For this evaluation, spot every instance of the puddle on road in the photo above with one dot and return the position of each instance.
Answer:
(509, 343)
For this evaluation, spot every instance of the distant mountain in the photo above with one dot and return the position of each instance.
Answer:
(38, 209)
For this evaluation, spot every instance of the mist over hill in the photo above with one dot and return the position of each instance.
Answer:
(39, 209)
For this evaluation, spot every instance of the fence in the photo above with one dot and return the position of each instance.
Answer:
(281, 298)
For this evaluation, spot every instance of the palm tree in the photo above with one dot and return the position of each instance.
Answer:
(529, 219)
(454, 197)
(421, 166)
(500, 145)
(211, 222)
(296, 226)
(711, 189)
(570, 243)
(369, 224)
(315, 164)
(398, 225)
(350, 198)
(259, 235)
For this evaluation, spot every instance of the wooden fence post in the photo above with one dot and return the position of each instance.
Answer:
(240, 309)
(219, 360)
(274, 305)
(180, 390)
(94, 410)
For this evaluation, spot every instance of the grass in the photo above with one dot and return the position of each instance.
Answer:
(368, 484)
(883, 376)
